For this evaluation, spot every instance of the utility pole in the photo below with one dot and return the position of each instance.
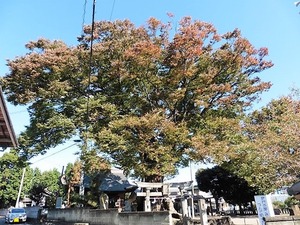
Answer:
(20, 188)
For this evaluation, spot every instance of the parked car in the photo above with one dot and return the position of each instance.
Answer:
(16, 215)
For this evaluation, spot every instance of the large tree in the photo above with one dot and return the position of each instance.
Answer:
(269, 158)
(223, 183)
(11, 172)
(45, 187)
(150, 98)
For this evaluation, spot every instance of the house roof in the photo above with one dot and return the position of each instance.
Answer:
(294, 189)
(7, 134)
(114, 181)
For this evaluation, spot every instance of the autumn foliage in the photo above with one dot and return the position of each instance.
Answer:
(149, 99)
(269, 156)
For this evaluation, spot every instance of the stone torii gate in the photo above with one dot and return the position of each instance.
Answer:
(163, 191)
(187, 201)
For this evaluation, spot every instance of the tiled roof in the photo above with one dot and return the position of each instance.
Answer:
(113, 181)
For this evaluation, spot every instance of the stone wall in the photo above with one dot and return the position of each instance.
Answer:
(145, 218)
(283, 220)
(32, 212)
(109, 217)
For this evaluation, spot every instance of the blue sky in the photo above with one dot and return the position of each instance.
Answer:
(274, 24)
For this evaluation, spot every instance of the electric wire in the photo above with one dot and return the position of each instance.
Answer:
(17, 112)
(83, 16)
(112, 9)
(54, 153)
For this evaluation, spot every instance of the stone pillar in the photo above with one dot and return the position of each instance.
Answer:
(202, 210)
(147, 201)
(191, 207)
(184, 207)
(104, 199)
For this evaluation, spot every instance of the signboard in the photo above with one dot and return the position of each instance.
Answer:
(58, 204)
(264, 207)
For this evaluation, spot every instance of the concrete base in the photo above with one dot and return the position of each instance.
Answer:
(283, 220)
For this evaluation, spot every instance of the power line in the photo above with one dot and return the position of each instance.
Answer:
(83, 16)
(112, 9)
(54, 153)
(20, 111)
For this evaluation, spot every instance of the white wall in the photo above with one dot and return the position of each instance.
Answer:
(109, 217)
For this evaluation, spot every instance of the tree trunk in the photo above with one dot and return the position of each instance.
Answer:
(68, 195)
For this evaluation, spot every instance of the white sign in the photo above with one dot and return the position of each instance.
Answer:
(264, 207)
(58, 204)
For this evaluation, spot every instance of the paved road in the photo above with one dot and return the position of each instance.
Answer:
(33, 222)
(2, 222)
(235, 220)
